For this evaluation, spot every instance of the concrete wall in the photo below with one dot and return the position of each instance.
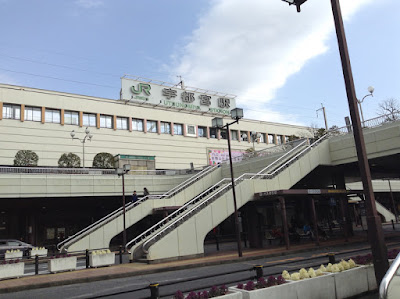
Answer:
(38, 185)
(380, 141)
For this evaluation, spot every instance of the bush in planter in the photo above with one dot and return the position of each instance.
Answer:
(261, 283)
(214, 292)
(26, 158)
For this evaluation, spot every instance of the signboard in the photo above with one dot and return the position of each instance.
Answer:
(171, 96)
(216, 156)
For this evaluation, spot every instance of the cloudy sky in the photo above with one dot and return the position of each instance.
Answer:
(282, 65)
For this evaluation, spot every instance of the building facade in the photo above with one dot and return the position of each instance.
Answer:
(175, 133)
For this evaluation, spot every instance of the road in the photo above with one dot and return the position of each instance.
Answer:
(178, 280)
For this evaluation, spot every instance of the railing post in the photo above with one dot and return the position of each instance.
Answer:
(36, 264)
(259, 271)
(393, 225)
(154, 291)
(331, 257)
(120, 254)
(87, 258)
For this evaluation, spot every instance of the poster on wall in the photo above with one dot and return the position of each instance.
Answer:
(216, 156)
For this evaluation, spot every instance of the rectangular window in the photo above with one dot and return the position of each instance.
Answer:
(279, 139)
(178, 129)
(165, 128)
(122, 123)
(33, 113)
(243, 136)
(137, 124)
(191, 130)
(71, 118)
(287, 139)
(234, 135)
(89, 120)
(202, 131)
(53, 116)
(271, 139)
(262, 138)
(11, 111)
(106, 121)
(213, 133)
(151, 126)
(224, 133)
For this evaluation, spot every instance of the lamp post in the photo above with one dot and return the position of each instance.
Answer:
(122, 172)
(217, 122)
(88, 136)
(375, 234)
(371, 91)
(254, 137)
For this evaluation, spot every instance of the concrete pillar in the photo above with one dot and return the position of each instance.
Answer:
(254, 226)
(284, 222)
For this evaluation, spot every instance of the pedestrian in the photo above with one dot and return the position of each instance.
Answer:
(145, 191)
(134, 196)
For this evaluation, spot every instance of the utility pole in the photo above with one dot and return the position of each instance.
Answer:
(323, 111)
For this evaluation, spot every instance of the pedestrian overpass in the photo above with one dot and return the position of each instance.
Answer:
(205, 200)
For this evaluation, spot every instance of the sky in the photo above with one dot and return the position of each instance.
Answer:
(283, 66)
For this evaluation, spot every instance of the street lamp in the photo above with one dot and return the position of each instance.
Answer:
(88, 136)
(218, 122)
(122, 172)
(375, 234)
(371, 91)
(295, 2)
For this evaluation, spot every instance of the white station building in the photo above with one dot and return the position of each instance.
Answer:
(152, 121)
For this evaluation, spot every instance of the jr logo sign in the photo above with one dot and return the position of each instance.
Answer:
(142, 87)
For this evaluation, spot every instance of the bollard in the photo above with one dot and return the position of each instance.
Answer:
(259, 271)
(120, 254)
(87, 258)
(331, 257)
(36, 264)
(393, 225)
(154, 291)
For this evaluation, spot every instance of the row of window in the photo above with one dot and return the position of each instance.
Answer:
(106, 121)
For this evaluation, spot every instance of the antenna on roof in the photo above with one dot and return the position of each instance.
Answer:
(181, 83)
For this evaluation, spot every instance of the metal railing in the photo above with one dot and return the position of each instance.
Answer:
(188, 210)
(92, 171)
(115, 214)
(196, 199)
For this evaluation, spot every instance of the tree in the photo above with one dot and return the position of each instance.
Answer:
(103, 160)
(26, 158)
(69, 160)
(389, 108)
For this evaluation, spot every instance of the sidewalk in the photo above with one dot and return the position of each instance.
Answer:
(132, 269)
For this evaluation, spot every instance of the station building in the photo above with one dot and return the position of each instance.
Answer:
(170, 126)
(152, 125)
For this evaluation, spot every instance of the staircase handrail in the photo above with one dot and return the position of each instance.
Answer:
(159, 224)
(109, 217)
(283, 157)
(170, 221)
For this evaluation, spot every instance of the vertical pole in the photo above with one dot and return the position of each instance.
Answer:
(315, 221)
(154, 291)
(36, 264)
(123, 204)
(284, 222)
(344, 221)
(83, 156)
(362, 115)
(379, 250)
(87, 258)
(393, 205)
(239, 242)
(326, 121)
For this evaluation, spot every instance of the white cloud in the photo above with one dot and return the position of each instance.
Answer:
(250, 48)
(89, 3)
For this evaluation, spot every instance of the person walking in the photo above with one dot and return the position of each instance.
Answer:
(145, 191)
(134, 196)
